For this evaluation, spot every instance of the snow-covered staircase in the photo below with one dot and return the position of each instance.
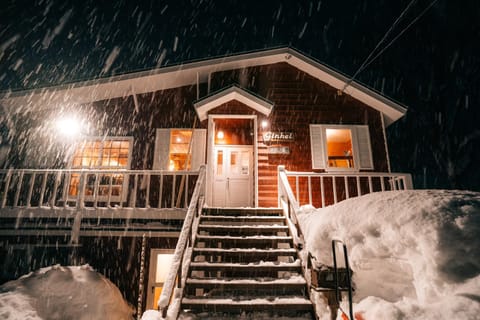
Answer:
(244, 264)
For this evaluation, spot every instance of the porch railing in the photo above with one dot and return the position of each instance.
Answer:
(323, 189)
(32, 188)
(183, 249)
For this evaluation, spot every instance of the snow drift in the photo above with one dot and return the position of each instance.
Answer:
(415, 254)
(62, 293)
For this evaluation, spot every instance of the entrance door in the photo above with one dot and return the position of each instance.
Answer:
(233, 176)
(160, 262)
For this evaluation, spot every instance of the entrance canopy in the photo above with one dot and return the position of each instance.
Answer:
(203, 106)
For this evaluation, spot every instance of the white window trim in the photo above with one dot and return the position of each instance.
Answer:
(355, 145)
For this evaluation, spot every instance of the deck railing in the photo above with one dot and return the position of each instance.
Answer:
(323, 189)
(57, 188)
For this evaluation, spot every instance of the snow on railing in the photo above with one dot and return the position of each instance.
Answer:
(323, 189)
(57, 188)
(186, 240)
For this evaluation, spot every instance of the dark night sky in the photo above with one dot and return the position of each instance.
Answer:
(433, 67)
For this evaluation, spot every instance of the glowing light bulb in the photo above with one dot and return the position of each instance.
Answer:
(220, 135)
(69, 127)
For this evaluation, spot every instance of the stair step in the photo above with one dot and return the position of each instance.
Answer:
(243, 242)
(241, 230)
(238, 270)
(283, 266)
(244, 255)
(215, 288)
(217, 219)
(243, 211)
(275, 305)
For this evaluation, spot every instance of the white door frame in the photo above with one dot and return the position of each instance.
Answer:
(211, 155)
(152, 271)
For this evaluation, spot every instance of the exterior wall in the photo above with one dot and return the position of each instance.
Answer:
(37, 145)
(117, 258)
(299, 100)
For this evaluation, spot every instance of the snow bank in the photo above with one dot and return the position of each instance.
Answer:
(62, 293)
(415, 254)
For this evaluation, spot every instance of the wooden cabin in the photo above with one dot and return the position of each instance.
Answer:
(101, 172)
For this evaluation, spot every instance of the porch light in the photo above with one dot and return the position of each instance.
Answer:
(220, 135)
(69, 127)
(264, 124)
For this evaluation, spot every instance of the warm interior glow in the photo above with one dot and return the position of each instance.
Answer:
(234, 131)
(179, 149)
(339, 148)
(100, 154)
(164, 261)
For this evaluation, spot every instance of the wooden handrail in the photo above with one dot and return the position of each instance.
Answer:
(186, 239)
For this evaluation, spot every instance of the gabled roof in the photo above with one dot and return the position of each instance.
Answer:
(234, 92)
(190, 74)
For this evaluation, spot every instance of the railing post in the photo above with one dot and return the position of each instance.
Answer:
(147, 191)
(6, 188)
(42, 190)
(53, 200)
(19, 187)
(280, 170)
(81, 190)
(408, 181)
(30, 189)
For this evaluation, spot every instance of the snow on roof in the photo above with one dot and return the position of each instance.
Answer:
(190, 74)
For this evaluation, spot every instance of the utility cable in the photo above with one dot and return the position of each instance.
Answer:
(379, 43)
(369, 60)
(402, 32)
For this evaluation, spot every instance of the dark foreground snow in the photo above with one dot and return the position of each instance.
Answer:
(57, 292)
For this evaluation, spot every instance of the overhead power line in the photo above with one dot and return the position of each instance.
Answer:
(369, 58)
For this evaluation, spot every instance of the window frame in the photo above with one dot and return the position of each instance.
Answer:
(103, 139)
(356, 147)
(99, 167)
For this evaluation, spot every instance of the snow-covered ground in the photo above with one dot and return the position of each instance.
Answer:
(56, 293)
(415, 254)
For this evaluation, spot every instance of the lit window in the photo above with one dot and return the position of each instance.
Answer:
(180, 150)
(339, 148)
(106, 154)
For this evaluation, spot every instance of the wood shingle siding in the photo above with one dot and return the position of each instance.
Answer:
(299, 100)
